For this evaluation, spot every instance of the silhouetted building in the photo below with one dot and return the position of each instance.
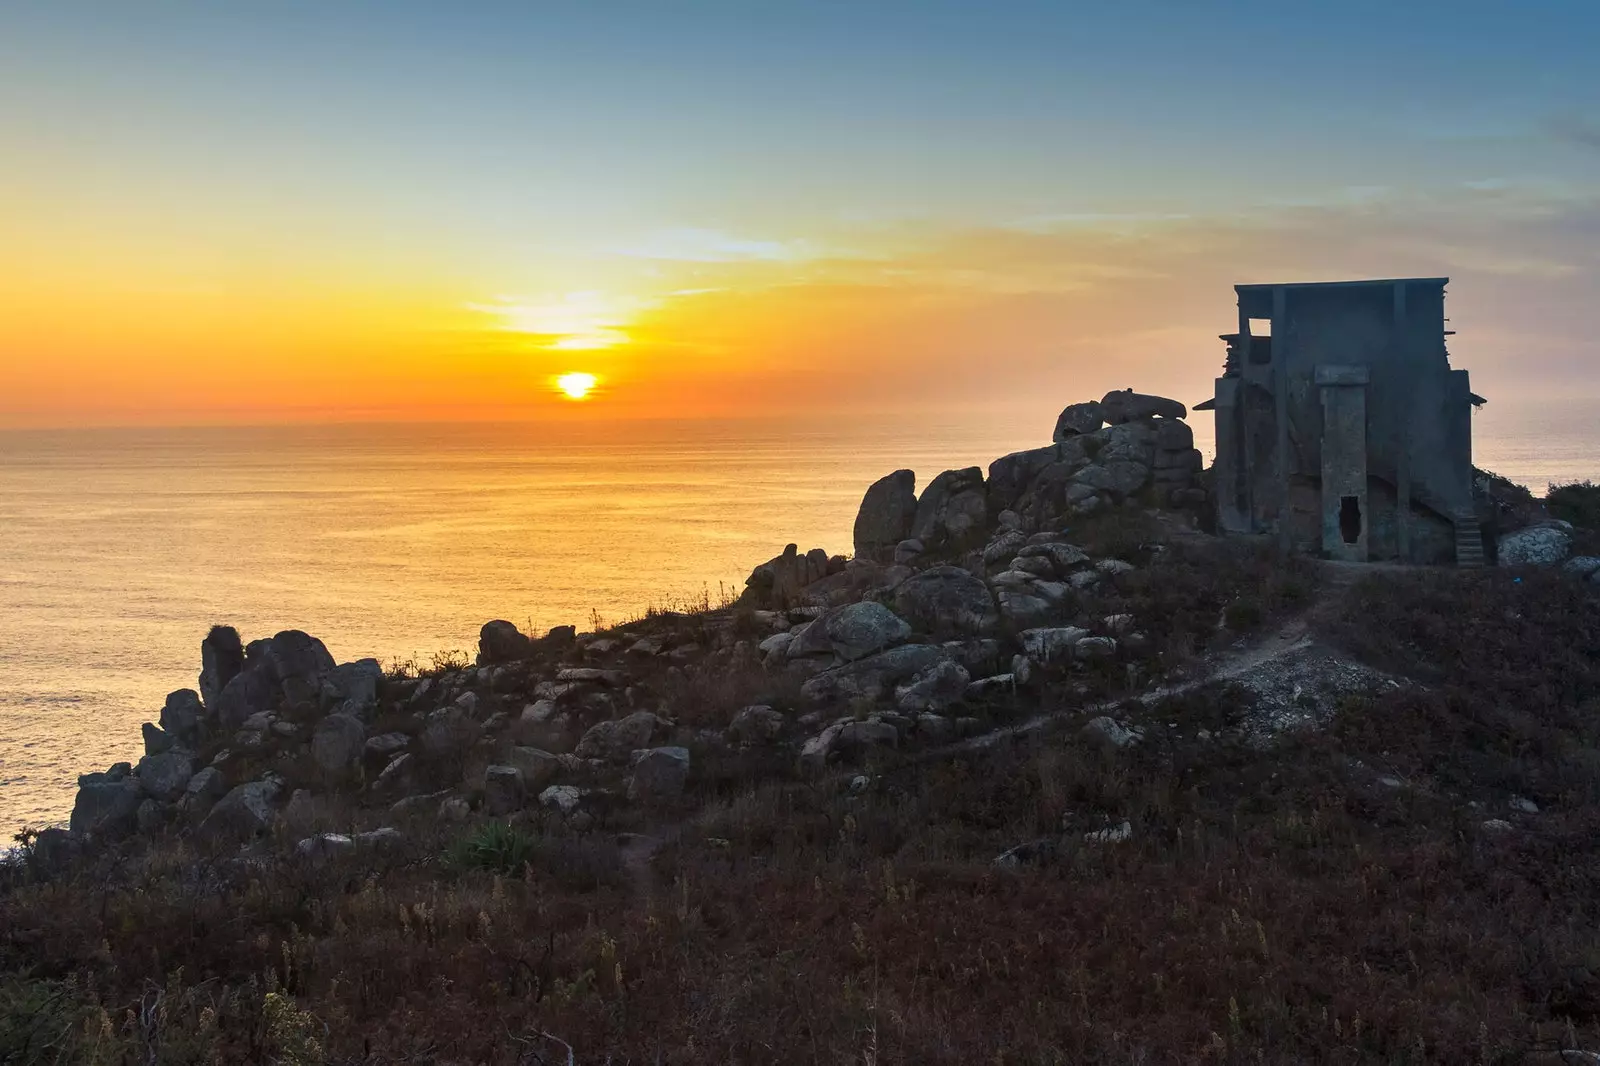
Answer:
(1341, 427)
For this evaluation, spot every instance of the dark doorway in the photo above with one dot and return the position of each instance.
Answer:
(1350, 519)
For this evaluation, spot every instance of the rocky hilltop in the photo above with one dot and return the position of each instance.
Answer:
(1043, 771)
(954, 597)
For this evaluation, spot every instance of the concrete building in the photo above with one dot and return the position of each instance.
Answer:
(1341, 427)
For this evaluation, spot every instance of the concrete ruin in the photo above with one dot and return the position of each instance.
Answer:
(1341, 427)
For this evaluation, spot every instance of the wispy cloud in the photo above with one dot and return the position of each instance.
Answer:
(1573, 129)
(692, 245)
(573, 321)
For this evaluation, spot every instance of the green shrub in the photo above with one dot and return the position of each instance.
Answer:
(53, 1021)
(1577, 502)
(496, 846)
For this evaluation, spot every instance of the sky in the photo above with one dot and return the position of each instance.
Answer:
(283, 211)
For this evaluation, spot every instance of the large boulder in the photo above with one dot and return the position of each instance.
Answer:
(296, 661)
(500, 641)
(1129, 406)
(886, 514)
(337, 743)
(617, 738)
(759, 724)
(847, 738)
(221, 659)
(952, 507)
(165, 777)
(156, 739)
(659, 773)
(1032, 484)
(450, 731)
(1078, 419)
(203, 790)
(537, 766)
(502, 790)
(182, 714)
(851, 632)
(934, 689)
(247, 810)
(247, 693)
(352, 688)
(1119, 478)
(948, 601)
(107, 804)
(874, 676)
(1543, 545)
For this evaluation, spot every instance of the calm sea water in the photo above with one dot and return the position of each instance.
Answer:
(118, 549)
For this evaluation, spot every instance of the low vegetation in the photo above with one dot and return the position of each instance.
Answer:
(1419, 881)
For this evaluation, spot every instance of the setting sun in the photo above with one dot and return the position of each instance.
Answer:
(576, 386)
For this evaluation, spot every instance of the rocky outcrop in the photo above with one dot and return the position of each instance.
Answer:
(296, 661)
(164, 777)
(881, 648)
(1078, 419)
(107, 803)
(947, 601)
(1130, 406)
(500, 641)
(885, 517)
(1134, 457)
(183, 714)
(952, 508)
(221, 659)
(780, 581)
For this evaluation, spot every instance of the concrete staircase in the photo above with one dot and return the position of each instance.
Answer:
(1469, 540)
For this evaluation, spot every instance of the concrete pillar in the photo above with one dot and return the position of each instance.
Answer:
(1280, 398)
(1346, 514)
(1401, 357)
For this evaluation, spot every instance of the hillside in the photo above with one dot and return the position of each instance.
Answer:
(1046, 782)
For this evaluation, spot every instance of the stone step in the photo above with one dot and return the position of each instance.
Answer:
(1469, 540)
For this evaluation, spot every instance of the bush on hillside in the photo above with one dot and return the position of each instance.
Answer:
(1577, 502)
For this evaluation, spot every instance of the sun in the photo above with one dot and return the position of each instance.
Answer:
(577, 386)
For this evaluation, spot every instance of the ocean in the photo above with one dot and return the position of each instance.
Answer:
(120, 548)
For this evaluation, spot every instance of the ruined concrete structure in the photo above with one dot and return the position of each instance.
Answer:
(1341, 427)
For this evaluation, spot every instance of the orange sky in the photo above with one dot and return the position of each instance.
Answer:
(280, 213)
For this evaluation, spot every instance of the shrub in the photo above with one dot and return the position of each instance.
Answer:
(496, 846)
(1577, 502)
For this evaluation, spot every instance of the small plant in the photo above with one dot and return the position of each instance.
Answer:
(497, 846)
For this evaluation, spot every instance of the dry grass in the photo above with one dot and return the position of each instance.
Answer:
(1279, 906)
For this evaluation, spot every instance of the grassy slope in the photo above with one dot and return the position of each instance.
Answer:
(1270, 906)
